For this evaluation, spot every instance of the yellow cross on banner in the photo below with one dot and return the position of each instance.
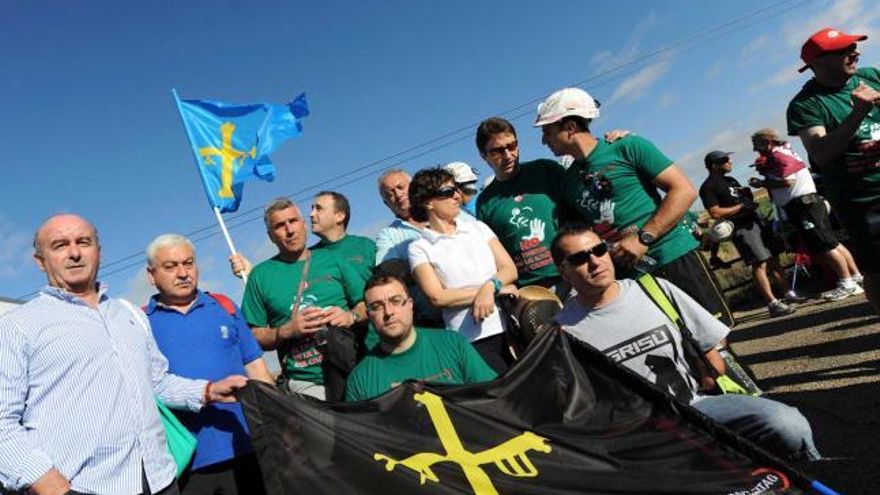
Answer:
(510, 457)
(228, 155)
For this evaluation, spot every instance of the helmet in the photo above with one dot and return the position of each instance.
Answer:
(721, 230)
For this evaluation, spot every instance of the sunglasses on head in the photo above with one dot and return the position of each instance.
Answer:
(446, 192)
(581, 257)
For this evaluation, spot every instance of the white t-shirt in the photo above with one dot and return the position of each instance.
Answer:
(461, 260)
(803, 184)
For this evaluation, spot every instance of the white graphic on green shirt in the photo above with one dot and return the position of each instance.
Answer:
(533, 255)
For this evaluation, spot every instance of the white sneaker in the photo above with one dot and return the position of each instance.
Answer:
(859, 279)
(793, 297)
(779, 308)
(841, 292)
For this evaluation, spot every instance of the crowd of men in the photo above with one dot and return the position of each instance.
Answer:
(80, 371)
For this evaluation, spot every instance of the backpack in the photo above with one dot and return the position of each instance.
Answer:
(693, 355)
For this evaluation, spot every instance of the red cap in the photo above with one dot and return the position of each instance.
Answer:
(824, 41)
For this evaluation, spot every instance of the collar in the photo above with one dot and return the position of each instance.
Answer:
(63, 295)
(401, 224)
(461, 227)
(154, 304)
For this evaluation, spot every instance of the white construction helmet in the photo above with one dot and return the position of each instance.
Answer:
(564, 103)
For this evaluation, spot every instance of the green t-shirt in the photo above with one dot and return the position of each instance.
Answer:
(855, 176)
(358, 251)
(437, 356)
(612, 189)
(269, 298)
(522, 211)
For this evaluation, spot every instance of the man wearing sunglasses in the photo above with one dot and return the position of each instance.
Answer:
(520, 205)
(619, 319)
(726, 199)
(836, 117)
(406, 352)
(615, 187)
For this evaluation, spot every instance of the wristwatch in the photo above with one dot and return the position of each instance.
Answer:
(646, 237)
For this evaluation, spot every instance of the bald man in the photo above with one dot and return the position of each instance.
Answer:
(78, 375)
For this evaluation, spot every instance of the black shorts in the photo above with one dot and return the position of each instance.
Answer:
(691, 273)
(810, 219)
(862, 223)
(749, 242)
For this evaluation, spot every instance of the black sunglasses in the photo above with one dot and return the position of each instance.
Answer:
(581, 257)
(446, 192)
(499, 150)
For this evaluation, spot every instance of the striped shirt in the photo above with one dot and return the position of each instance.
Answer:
(77, 389)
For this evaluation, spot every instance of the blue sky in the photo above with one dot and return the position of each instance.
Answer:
(90, 126)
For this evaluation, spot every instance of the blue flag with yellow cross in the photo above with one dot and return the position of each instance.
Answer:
(232, 143)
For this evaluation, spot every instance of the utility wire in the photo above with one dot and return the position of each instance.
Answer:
(620, 71)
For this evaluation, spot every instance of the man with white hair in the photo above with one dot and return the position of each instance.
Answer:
(615, 187)
(184, 318)
(392, 243)
(79, 376)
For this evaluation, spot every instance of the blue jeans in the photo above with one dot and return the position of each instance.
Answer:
(779, 428)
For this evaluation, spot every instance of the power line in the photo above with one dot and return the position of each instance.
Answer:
(631, 66)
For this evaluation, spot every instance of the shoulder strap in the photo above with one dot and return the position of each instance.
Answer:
(652, 289)
(224, 301)
(694, 356)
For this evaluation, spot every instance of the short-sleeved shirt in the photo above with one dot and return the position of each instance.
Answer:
(855, 175)
(522, 211)
(725, 191)
(461, 260)
(358, 251)
(270, 295)
(437, 356)
(634, 332)
(224, 345)
(612, 189)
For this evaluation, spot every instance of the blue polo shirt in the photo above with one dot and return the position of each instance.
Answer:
(209, 343)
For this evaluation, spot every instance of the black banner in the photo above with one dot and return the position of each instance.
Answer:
(565, 419)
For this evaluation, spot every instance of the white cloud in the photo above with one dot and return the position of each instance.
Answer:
(15, 249)
(783, 76)
(637, 86)
(668, 99)
(715, 70)
(609, 60)
(755, 46)
(138, 288)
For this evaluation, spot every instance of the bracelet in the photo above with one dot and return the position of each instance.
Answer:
(207, 397)
(496, 283)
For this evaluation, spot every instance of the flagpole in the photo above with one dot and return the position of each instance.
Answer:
(204, 183)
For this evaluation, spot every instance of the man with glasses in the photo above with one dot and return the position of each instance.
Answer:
(618, 318)
(521, 203)
(836, 118)
(615, 187)
(726, 199)
(406, 352)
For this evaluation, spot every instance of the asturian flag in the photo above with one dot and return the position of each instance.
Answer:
(232, 143)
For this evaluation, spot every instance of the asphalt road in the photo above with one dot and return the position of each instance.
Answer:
(825, 360)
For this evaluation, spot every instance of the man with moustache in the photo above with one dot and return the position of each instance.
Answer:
(79, 374)
(184, 318)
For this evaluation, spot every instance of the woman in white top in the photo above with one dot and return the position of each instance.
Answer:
(460, 266)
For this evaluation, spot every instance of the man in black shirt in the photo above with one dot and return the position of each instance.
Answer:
(725, 199)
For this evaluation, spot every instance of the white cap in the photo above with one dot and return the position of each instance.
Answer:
(462, 172)
(566, 102)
